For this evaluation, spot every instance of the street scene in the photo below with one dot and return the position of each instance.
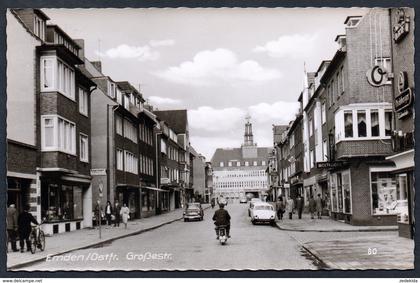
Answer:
(210, 139)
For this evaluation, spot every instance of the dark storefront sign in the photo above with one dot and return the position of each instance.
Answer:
(402, 26)
(404, 100)
(329, 164)
(295, 180)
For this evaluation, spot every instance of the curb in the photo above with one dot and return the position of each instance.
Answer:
(91, 245)
(338, 230)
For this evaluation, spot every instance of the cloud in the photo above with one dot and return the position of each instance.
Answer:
(295, 46)
(123, 51)
(280, 112)
(210, 67)
(141, 53)
(165, 42)
(215, 120)
(157, 101)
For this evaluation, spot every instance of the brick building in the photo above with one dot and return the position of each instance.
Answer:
(402, 44)
(59, 128)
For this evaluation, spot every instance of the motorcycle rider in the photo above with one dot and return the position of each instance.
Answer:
(222, 217)
(213, 203)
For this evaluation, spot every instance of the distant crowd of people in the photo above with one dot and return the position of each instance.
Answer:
(289, 206)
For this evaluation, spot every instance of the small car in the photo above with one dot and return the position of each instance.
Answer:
(251, 205)
(243, 200)
(263, 213)
(193, 211)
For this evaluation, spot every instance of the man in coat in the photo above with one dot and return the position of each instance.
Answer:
(117, 210)
(12, 225)
(299, 205)
(24, 223)
(312, 206)
(222, 217)
(319, 206)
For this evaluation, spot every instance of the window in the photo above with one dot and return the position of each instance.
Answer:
(324, 151)
(333, 187)
(312, 156)
(127, 101)
(130, 131)
(388, 123)
(263, 163)
(118, 124)
(333, 90)
(83, 102)
(58, 134)
(361, 123)
(163, 148)
(39, 27)
(384, 193)
(131, 163)
(238, 163)
(255, 163)
(348, 124)
(230, 164)
(119, 96)
(292, 141)
(339, 81)
(57, 76)
(374, 122)
(246, 163)
(311, 127)
(323, 114)
(111, 89)
(84, 148)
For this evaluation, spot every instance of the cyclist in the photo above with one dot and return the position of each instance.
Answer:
(24, 223)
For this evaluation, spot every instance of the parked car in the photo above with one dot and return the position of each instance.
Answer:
(243, 200)
(193, 211)
(251, 204)
(263, 212)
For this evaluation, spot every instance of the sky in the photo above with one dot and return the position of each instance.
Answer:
(219, 64)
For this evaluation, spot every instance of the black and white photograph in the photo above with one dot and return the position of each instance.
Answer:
(199, 139)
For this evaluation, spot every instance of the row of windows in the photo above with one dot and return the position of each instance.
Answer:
(59, 134)
(130, 131)
(173, 153)
(244, 174)
(126, 161)
(146, 165)
(241, 184)
(57, 76)
(145, 134)
(246, 163)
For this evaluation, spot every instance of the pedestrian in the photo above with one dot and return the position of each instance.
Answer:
(280, 206)
(319, 206)
(289, 207)
(125, 214)
(12, 225)
(108, 212)
(312, 206)
(299, 205)
(117, 216)
(25, 219)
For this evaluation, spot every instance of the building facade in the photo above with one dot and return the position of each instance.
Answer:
(238, 172)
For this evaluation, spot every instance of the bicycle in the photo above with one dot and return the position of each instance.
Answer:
(37, 239)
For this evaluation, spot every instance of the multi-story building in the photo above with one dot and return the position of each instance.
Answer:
(209, 182)
(177, 120)
(199, 175)
(402, 46)
(241, 171)
(60, 122)
(273, 173)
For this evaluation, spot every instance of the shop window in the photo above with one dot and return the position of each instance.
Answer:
(61, 202)
(384, 193)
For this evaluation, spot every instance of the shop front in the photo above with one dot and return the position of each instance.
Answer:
(148, 201)
(18, 192)
(66, 203)
(130, 196)
(404, 180)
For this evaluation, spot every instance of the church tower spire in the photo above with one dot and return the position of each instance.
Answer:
(248, 136)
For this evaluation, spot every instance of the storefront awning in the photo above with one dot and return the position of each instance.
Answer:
(154, 189)
(404, 160)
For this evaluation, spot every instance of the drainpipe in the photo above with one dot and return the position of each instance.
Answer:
(108, 150)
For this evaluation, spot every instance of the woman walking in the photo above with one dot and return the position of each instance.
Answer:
(125, 214)
(108, 213)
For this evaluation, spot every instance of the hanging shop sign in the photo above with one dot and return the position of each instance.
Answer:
(330, 164)
(404, 99)
(377, 76)
(402, 25)
(98, 172)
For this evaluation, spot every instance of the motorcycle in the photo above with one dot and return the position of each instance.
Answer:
(222, 234)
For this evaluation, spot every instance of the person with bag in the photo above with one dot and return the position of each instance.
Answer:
(125, 214)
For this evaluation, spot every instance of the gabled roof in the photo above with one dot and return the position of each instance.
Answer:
(235, 154)
(278, 130)
(176, 119)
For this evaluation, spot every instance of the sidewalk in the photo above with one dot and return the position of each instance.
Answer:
(85, 238)
(365, 252)
(326, 224)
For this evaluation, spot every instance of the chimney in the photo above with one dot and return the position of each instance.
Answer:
(81, 43)
(98, 65)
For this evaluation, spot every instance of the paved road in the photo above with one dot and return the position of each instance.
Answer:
(192, 246)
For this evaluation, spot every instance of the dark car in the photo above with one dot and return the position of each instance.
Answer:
(193, 211)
